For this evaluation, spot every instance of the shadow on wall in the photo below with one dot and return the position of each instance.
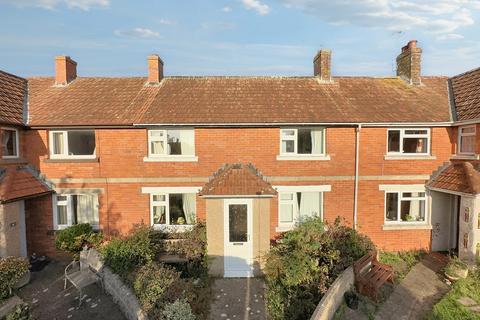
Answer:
(36, 148)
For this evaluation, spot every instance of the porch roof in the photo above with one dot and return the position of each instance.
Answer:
(237, 179)
(20, 182)
(461, 176)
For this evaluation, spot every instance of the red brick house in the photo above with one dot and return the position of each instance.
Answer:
(251, 156)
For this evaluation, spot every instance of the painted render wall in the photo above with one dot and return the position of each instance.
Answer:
(10, 224)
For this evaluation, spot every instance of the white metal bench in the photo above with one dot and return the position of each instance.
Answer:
(84, 272)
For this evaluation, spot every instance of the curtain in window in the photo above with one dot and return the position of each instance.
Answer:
(187, 141)
(188, 200)
(87, 209)
(317, 141)
(5, 139)
(157, 147)
(309, 204)
(58, 143)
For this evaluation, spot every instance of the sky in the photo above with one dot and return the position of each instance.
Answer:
(237, 37)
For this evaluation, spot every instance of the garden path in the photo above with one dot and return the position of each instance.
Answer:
(238, 299)
(48, 299)
(415, 296)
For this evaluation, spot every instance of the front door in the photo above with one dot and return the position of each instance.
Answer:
(238, 250)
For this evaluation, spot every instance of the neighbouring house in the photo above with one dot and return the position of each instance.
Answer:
(251, 156)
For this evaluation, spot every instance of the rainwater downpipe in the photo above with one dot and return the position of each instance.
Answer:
(357, 159)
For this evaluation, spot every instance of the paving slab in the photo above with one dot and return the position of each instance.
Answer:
(238, 299)
(48, 299)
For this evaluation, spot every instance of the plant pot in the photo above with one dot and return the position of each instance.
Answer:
(23, 281)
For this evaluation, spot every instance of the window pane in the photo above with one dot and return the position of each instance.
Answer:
(58, 147)
(288, 146)
(81, 142)
(62, 214)
(159, 214)
(309, 204)
(157, 134)
(288, 133)
(415, 145)
(416, 132)
(391, 210)
(174, 145)
(394, 141)
(412, 210)
(85, 210)
(286, 212)
(304, 139)
(237, 222)
(157, 147)
(467, 144)
(413, 194)
(286, 196)
(9, 142)
(177, 214)
(158, 197)
(61, 198)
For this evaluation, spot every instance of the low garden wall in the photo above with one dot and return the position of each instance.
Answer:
(333, 298)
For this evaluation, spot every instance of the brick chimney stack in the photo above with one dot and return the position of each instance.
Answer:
(155, 69)
(322, 65)
(409, 63)
(65, 70)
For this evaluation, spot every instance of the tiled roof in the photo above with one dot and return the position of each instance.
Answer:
(236, 100)
(18, 182)
(458, 176)
(237, 179)
(466, 94)
(13, 91)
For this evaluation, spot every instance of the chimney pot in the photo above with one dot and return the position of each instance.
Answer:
(155, 69)
(409, 63)
(65, 70)
(322, 65)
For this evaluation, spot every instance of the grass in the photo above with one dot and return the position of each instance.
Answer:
(401, 262)
(449, 308)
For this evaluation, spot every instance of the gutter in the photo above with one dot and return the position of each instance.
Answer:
(357, 159)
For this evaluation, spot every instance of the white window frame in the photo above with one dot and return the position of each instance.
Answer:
(65, 154)
(68, 204)
(400, 189)
(300, 156)
(285, 226)
(154, 157)
(403, 135)
(460, 135)
(17, 143)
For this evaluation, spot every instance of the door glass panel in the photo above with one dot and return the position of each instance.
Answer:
(237, 220)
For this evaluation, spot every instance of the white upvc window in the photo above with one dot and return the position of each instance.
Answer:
(71, 209)
(405, 207)
(466, 140)
(173, 209)
(174, 144)
(72, 144)
(10, 143)
(408, 141)
(302, 141)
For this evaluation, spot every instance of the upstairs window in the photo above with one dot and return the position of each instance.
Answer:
(408, 141)
(405, 207)
(73, 209)
(173, 208)
(466, 140)
(9, 143)
(171, 142)
(75, 144)
(302, 141)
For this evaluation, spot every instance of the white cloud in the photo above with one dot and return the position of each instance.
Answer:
(143, 33)
(167, 22)
(450, 36)
(432, 16)
(227, 9)
(261, 8)
(54, 4)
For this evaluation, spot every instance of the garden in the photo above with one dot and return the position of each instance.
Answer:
(13, 273)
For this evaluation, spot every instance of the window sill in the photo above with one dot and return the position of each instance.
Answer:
(406, 226)
(284, 228)
(63, 160)
(304, 157)
(171, 159)
(465, 157)
(13, 160)
(173, 228)
(95, 227)
(409, 157)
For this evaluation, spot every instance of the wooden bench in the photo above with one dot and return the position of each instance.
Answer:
(370, 275)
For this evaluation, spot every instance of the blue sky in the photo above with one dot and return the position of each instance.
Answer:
(236, 37)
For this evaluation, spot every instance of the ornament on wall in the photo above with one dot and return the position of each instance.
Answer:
(466, 214)
(465, 241)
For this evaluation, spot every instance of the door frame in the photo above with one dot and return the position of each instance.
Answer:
(226, 241)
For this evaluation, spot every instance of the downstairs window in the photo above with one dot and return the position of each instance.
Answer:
(172, 209)
(297, 206)
(73, 209)
(405, 207)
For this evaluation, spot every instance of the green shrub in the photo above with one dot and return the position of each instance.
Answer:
(21, 312)
(74, 238)
(304, 262)
(454, 265)
(11, 270)
(122, 255)
(178, 310)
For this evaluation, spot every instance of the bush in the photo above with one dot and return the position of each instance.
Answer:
(304, 262)
(178, 310)
(122, 255)
(74, 238)
(21, 312)
(11, 270)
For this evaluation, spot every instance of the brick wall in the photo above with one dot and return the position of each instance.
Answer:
(39, 226)
(121, 151)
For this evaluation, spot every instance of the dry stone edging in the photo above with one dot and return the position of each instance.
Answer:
(8, 305)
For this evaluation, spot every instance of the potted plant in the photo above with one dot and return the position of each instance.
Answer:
(456, 269)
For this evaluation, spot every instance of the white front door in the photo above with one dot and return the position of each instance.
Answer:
(238, 250)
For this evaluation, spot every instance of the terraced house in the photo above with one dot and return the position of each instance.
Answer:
(395, 157)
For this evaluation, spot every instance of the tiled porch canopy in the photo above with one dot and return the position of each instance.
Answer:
(20, 182)
(461, 176)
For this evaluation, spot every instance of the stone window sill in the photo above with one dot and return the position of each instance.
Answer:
(465, 157)
(304, 157)
(172, 228)
(283, 228)
(67, 160)
(409, 157)
(406, 226)
(171, 159)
